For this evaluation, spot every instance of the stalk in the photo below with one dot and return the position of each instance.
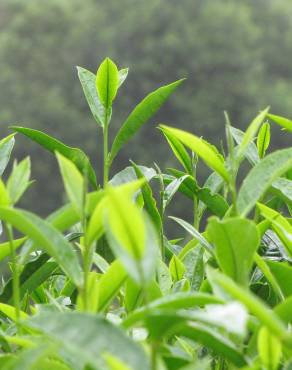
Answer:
(15, 272)
(86, 250)
(106, 164)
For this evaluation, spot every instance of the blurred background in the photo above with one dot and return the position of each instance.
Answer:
(236, 55)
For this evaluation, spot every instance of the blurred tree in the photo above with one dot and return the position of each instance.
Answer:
(235, 53)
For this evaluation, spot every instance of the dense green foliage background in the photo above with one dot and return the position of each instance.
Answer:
(235, 53)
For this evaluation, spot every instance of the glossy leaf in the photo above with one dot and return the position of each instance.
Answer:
(179, 151)
(279, 224)
(176, 268)
(77, 156)
(203, 149)
(140, 115)
(281, 121)
(261, 177)
(46, 237)
(96, 337)
(18, 181)
(236, 241)
(88, 82)
(254, 305)
(110, 283)
(251, 152)
(263, 139)
(73, 182)
(107, 82)
(6, 146)
(269, 348)
(251, 132)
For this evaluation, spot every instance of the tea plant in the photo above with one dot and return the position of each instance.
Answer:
(98, 285)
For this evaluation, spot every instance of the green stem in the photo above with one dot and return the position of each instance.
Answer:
(106, 163)
(15, 273)
(153, 356)
(86, 248)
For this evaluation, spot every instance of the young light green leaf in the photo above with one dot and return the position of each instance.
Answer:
(107, 82)
(269, 348)
(261, 177)
(179, 151)
(109, 284)
(280, 225)
(131, 235)
(6, 146)
(207, 152)
(236, 241)
(263, 139)
(18, 181)
(176, 268)
(281, 121)
(77, 156)
(88, 83)
(4, 196)
(251, 132)
(123, 74)
(141, 113)
(114, 364)
(73, 182)
(47, 237)
(9, 311)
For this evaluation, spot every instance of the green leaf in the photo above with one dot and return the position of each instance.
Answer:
(4, 196)
(123, 74)
(176, 268)
(88, 82)
(263, 139)
(173, 301)
(255, 306)
(47, 237)
(283, 275)
(236, 241)
(149, 201)
(107, 82)
(114, 364)
(9, 311)
(128, 174)
(141, 113)
(283, 188)
(73, 182)
(194, 264)
(77, 156)
(280, 225)
(251, 132)
(281, 121)
(171, 189)
(179, 151)
(251, 152)
(207, 152)
(110, 283)
(5, 249)
(18, 181)
(214, 201)
(6, 146)
(131, 235)
(269, 348)
(195, 233)
(261, 177)
(96, 337)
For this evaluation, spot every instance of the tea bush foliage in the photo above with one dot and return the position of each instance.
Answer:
(98, 284)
